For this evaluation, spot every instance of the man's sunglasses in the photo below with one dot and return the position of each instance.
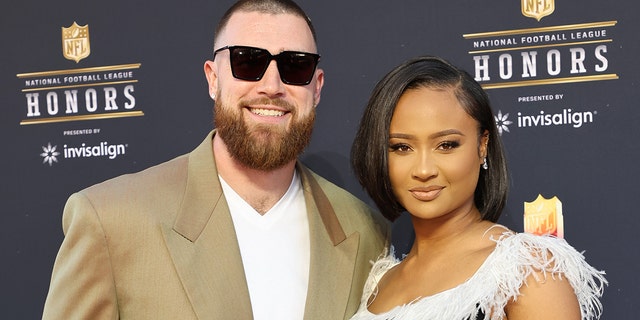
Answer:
(250, 64)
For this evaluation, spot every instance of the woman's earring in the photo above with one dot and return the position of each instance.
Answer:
(484, 164)
(213, 96)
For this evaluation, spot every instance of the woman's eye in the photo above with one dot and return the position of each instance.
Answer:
(448, 145)
(399, 148)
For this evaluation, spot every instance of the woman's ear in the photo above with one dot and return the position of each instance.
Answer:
(484, 144)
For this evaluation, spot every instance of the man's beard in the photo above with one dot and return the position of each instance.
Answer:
(263, 147)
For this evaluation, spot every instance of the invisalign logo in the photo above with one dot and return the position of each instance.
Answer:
(51, 154)
(566, 117)
(101, 150)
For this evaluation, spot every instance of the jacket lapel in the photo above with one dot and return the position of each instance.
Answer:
(332, 258)
(202, 243)
(208, 260)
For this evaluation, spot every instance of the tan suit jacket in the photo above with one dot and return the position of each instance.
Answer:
(160, 244)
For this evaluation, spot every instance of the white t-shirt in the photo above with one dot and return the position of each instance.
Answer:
(275, 252)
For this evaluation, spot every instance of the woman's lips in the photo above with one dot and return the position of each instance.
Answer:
(426, 193)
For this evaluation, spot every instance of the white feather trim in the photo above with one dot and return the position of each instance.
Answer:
(498, 281)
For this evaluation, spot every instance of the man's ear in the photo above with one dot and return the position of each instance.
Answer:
(318, 87)
(211, 73)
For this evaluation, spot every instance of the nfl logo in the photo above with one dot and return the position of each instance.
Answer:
(544, 216)
(75, 42)
(537, 8)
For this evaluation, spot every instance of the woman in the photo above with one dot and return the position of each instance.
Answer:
(428, 144)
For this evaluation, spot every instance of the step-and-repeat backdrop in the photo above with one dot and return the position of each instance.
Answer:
(91, 90)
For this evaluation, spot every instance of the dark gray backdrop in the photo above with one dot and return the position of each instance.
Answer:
(591, 169)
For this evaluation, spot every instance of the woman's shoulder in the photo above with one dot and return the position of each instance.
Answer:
(531, 253)
(522, 257)
(542, 251)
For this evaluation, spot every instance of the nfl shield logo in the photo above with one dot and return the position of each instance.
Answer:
(544, 216)
(75, 42)
(537, 8)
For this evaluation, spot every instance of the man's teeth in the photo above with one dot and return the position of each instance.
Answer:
(268, 112)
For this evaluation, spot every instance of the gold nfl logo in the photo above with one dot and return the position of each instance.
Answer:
(75, 42)
(537, 8)
(544, 216)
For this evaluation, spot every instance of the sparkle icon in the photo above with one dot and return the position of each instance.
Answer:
(49, 155)
(503, 122)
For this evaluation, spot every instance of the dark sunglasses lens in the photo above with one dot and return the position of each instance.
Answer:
(296, 67)
(249, 63)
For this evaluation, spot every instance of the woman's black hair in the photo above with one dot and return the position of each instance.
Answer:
(369, 152)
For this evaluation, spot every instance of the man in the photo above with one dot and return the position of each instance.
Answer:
(238, 228)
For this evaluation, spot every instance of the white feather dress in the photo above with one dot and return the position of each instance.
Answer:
(497, 281)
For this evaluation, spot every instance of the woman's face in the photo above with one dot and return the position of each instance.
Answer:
(435, 154)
